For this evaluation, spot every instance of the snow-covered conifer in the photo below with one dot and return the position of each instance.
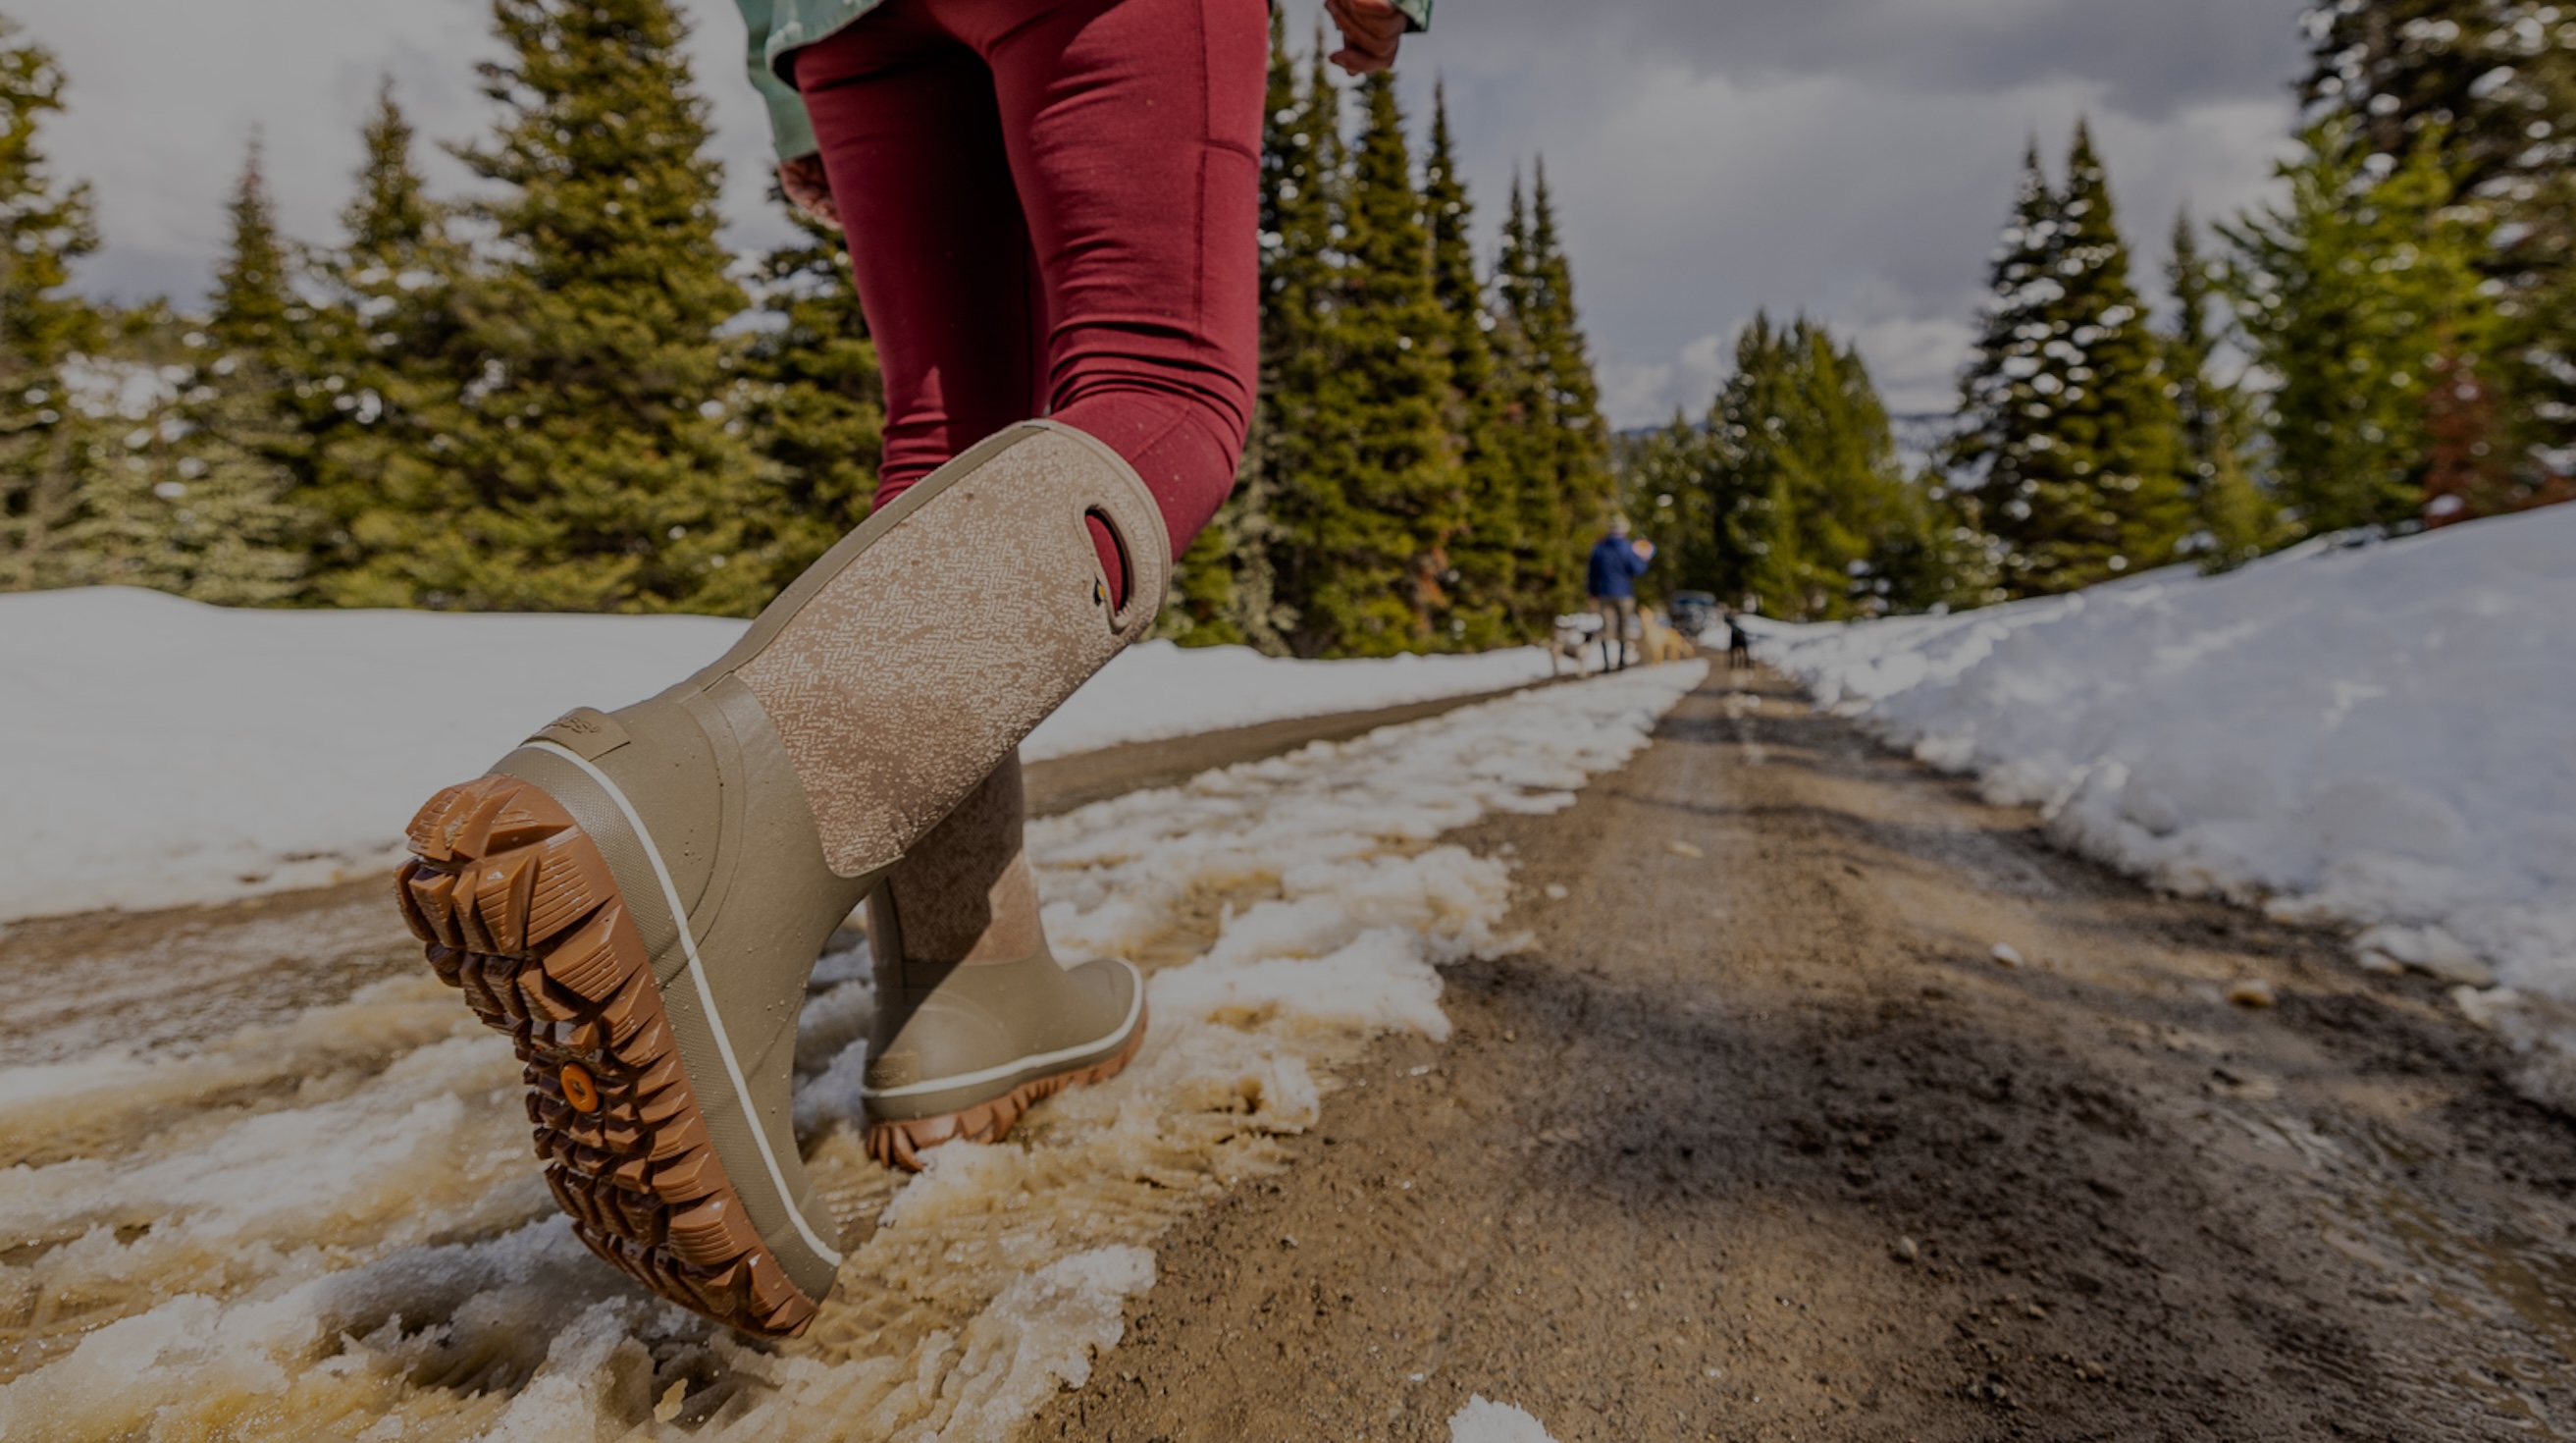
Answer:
(382, 355)
(2354, 291)
(2072, 436)
(603, 463)
(44, 226)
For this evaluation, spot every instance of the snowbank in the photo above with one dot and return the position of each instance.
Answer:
(2382, 736)
(155, 751)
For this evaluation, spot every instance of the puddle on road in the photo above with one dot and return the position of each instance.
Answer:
(2532, 1277)
(2501, 1274)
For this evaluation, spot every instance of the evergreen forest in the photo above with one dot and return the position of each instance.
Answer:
(566, 394)
(2383, 348)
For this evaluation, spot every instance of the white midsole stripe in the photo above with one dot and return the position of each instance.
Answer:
(706, 996)
(1135, 1003)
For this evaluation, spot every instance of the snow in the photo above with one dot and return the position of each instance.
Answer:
(2373, 736)
(1485, 1421)
(329, 1227)
(157, 752)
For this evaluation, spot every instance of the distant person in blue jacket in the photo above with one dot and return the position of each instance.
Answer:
(1617, 562)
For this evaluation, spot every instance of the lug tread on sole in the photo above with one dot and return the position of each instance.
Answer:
(900, 1144)
(516, 908)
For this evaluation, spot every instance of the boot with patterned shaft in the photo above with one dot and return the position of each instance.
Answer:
(638, 897)
(975, 1018)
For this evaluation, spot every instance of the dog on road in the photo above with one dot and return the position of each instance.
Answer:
(1575, 643)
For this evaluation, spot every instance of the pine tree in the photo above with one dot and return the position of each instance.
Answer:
(1391, 489)
(2236, 520)
(1313, 519)
(196, 499)
(195, 504)
(818, 399)
(1273, 538)
(2071, 425)
(1566, 517)
(1484, 554)
(2492, 84)
(384, 355)
(44, 226)
(2000, 399)
(2398, 69)
(1517, 475)
(2533, 359)
(1753, 503)
(598, 442)
(1405, 485)
(1809, 514)
(1664, 478)
(2204, 404)
(251, 299)
(2354, 291)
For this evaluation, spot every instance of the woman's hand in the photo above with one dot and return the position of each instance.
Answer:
(1371, 29)
(808, 189)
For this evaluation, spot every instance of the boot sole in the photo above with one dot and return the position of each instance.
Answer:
(519, 912)
(900, 1144)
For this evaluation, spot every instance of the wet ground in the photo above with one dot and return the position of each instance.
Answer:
(1761, 1140)
(1758, 1140)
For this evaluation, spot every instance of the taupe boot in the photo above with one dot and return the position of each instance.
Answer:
(975, 1019)
(637, 898)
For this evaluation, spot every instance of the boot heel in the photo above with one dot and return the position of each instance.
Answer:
(519, 912)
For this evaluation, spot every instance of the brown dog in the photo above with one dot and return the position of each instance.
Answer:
(1661, 643)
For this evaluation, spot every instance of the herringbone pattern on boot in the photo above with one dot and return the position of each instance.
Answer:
(519, 911)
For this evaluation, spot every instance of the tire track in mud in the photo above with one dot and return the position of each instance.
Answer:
(1760, 1141)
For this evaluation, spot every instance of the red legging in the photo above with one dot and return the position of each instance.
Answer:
(1052, 207)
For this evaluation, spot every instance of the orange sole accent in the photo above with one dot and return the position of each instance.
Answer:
(901, 1144)
(520, 913)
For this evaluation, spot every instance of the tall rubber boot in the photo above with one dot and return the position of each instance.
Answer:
(975, 1018)
(638, 897)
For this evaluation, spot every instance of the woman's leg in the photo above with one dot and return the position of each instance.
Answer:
(1134, 134)
(976, 1019)
(912, 138)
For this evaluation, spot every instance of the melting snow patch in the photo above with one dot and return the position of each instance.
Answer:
(330, 1228)
(1485, 1421)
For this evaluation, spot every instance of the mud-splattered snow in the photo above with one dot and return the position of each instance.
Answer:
(2372, 736)
(156, 752)
(329, 1227)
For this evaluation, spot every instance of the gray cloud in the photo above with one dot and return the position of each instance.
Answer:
(1851, 158)
(2147, 56)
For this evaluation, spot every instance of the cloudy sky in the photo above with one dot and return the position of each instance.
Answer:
(1711, 157)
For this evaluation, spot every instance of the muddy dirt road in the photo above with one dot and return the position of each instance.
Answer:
(1761, 1140)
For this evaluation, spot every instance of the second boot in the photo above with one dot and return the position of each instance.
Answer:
(976, 1020)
